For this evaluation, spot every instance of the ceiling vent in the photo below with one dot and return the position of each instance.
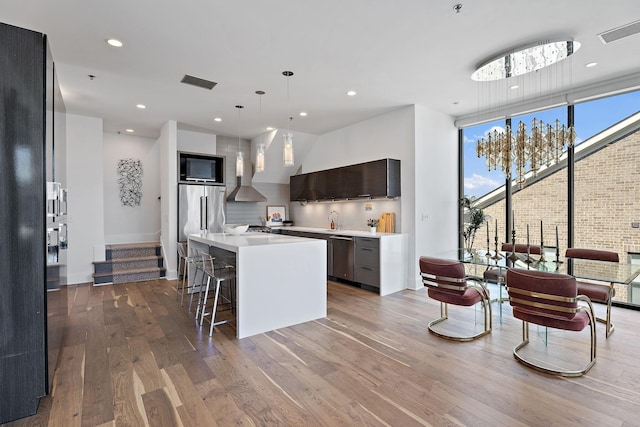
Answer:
(620, 32)
(196, 81)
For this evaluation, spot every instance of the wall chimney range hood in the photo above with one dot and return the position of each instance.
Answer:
(245, 193)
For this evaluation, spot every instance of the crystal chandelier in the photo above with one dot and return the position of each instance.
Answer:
(542, 147)
(287, 151)
(512, 150)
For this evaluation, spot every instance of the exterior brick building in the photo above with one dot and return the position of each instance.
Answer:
(607, 200)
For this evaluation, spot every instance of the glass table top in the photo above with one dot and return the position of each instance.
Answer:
(605, 271)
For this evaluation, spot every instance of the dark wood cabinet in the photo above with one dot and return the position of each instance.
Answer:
(377, 179)
(367, 261)
(25, 125)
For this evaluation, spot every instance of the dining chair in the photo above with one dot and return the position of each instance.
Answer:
(597, 292)
(448, 283)
(550, 300)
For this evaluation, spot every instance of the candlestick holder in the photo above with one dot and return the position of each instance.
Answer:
(513, 257)
(557, 260)
(488, 254)
(542, 259)
(496, 255)
(528, 259)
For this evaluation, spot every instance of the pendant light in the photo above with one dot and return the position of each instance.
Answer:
(287, 152)
(260, 148)
(239, 156)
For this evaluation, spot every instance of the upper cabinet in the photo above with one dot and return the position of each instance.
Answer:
(377, 179)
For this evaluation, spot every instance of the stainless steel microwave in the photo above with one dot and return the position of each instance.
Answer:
(200, 168)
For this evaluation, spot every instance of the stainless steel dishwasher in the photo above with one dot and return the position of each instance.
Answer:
(342, 255)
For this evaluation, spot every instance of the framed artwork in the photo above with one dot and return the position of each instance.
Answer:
(275, 215)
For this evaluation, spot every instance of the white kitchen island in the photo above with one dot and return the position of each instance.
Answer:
(280, 280)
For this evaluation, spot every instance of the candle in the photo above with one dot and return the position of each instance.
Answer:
(487, 232)
(496, 231)
(513, 220)
(527, 234)
(557, 244)
(541, 234)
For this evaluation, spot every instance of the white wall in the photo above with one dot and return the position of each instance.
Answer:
(196, 142)
(436, 185)
(131, 224)
(169, 195)
(86, 196)
(426, 143)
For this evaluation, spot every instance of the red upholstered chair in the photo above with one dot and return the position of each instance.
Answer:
(447, 282)
(598, 292)
(550, 300)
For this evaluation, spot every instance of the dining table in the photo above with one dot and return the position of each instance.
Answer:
(479, 260)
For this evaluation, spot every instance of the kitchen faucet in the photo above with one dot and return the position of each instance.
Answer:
(334, 217)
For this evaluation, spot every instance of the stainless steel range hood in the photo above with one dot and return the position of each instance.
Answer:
(245, 193)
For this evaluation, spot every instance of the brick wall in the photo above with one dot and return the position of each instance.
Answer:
(607, 201)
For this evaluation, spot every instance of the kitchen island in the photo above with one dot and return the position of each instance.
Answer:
(280, 280)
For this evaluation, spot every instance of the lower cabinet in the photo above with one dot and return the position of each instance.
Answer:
(377, 263)
(367, 261)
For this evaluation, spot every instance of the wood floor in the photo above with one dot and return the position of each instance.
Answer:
(132, 357)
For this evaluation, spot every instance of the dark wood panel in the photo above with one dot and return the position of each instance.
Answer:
(22, 231)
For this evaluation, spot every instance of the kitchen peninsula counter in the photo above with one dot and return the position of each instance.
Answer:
(280, 280)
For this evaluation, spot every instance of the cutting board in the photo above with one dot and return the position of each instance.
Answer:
(387, 222)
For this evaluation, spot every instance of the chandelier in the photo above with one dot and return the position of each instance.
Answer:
(512, 150)
(542, 147)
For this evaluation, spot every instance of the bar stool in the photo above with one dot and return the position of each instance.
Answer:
(210, 276)
(194, 260)
(183, 276)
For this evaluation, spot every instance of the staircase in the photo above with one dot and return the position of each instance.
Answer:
(132, 262)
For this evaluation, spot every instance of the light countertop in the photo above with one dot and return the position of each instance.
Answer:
(232, 242)
(350, 233)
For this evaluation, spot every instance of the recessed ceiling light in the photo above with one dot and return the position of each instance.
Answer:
(591, 64)
(514, 87)
(217, 119)
(303, 114)
(269, 128)
(141, 106)
(114, 42)
(351, 93)
(130, 130)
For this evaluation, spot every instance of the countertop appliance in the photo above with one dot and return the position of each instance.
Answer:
(201, 208)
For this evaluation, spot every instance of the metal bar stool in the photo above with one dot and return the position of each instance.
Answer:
(183, 273)
(209, 277)
(194, 260)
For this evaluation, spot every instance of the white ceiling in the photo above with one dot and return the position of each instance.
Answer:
(393, 53)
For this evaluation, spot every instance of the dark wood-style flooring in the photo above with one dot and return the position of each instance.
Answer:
(132, 357)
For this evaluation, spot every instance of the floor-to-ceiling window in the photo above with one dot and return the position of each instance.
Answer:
(606, 184)
(483, 187)
(607, 178)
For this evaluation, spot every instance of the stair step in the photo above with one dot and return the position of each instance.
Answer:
(130, 262)
(130, 250)
(124, 276)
